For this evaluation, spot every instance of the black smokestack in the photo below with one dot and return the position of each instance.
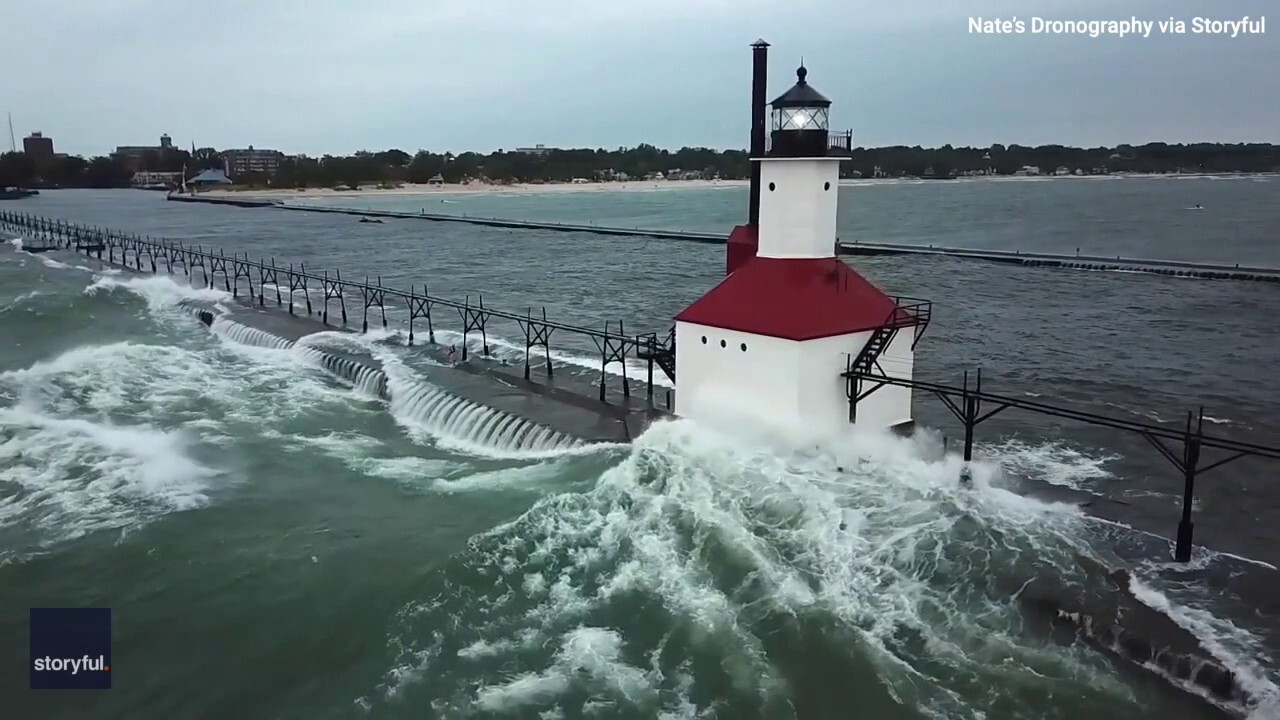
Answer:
(759, 80)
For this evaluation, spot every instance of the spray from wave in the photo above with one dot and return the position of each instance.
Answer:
(421, 407)
(709, 576)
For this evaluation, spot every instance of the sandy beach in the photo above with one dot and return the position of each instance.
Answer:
(476, 189)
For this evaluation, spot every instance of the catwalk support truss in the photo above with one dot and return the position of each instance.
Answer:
(971, 405)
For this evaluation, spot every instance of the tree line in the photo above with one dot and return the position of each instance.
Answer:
(564, 165)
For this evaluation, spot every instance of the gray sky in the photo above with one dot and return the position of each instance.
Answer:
(336, 76)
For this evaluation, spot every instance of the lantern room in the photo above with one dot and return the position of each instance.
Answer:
(800, 121)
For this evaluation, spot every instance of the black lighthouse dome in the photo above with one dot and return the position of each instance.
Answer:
(800, 120)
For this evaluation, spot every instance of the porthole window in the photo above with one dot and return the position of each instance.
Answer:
(772, 187)
(743, 346)
(826, 186)
(723, 343)
(704, 339)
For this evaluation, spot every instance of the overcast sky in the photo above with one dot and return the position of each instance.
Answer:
(335, 76)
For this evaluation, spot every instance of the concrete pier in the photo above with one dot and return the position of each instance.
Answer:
(1173, 268)
(564, 403)
(1178, 268)
(588, 404)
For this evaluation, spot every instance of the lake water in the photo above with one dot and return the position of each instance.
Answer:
(275, 544)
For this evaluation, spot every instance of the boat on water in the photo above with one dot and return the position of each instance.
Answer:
(370, 220)
(16, 193)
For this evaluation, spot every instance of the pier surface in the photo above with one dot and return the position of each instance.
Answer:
(1177, 268)
(567, 403)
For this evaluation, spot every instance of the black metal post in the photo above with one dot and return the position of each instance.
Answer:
(970, 420)
(652, 349)
(759, 126)
(1190, 463)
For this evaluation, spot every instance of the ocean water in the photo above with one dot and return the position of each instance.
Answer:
(277, 543)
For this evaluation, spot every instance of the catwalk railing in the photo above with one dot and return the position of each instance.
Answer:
(967, 404)
(121, 248)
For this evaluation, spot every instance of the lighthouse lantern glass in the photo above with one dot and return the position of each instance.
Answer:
(800, 118)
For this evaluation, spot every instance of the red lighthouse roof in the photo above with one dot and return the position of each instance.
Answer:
(796, 299)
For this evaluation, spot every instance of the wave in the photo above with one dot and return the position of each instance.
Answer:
(702, 567)
(419, 406)
(20, 300)
(116, 436)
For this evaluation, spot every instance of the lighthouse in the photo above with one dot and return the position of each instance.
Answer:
(775, 341)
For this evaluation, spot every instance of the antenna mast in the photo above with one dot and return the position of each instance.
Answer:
(13, 144)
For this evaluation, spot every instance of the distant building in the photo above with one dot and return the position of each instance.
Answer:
(208, 178)
(156, 179)
(134, 156)
(535, 150)
(252, 161)
(38, 147)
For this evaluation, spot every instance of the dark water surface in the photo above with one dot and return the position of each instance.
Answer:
(275, 545)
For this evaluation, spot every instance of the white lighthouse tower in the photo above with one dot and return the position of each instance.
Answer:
(775, 340)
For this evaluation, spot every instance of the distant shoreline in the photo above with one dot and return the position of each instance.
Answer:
(475, 188)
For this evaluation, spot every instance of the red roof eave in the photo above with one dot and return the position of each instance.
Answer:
(796, 299)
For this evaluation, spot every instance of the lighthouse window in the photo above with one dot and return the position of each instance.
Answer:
(722, 343)
(704, 339)
(826, 186)
(772, 187)
(743, 346)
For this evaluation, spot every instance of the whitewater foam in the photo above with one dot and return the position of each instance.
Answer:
(87, 444)
(867, 552)
(502, 349)
(21, 299)
(724, 537)
(1055, 463)
(161, 293)
(1226, 642)
(76, 476)
(423, 408)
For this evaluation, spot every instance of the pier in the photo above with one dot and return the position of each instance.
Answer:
(614, 395)
(257, 283)
(966, 402)
(1172, 268)
(709, 238)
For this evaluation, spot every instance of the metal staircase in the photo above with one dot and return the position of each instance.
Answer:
(664, 354)
(876, 345)
(907, 313)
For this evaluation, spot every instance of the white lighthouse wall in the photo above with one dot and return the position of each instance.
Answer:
(891, 404)
(798, 205)
(792, 386)
(823, 395)
(822, 390)
(719, 384)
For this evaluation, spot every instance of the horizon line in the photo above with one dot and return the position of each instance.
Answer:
(624, 148)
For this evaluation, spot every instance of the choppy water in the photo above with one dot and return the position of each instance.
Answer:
(279, 543)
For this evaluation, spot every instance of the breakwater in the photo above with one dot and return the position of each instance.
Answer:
(261, 281)
(1177, 268)
(450, 415)
(1077, 261)
(710, 238)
